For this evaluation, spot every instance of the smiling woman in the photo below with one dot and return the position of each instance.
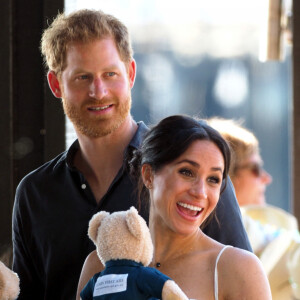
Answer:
(187, 190)
(170, 159)
(182, 165)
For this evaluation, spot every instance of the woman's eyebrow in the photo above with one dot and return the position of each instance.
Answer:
(217, 169)
(195, 164)
(189, 162)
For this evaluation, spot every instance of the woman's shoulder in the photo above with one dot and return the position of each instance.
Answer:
(241, 272)
(238, 260)
(91, 266)
(93, 257)
(232, 256)
(237, 253)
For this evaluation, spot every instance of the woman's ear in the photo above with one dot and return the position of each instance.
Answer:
(147, 175)
(54, 84)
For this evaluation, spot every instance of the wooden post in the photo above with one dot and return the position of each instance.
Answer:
(296, 110)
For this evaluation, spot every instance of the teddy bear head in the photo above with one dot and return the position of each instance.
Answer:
(121, 235)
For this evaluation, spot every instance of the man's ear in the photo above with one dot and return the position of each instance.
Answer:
(54, 84)
(132, 72)
(147, 176)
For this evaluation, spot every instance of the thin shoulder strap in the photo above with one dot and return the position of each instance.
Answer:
(216, 272)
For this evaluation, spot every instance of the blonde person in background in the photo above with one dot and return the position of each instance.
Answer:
(273, 233)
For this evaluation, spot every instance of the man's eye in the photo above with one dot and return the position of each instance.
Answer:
(186, 172)
(110, 74)
(83, 77)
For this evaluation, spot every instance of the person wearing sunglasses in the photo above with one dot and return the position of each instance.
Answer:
(248, 176)
(273, 232)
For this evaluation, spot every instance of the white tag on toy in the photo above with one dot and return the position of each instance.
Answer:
(109, 284)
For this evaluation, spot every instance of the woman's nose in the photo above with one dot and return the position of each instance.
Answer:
(198, 189)
(266, 177)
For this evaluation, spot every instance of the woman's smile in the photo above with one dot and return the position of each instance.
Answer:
(188, 210)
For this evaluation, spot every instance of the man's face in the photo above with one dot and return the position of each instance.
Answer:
(96, 87)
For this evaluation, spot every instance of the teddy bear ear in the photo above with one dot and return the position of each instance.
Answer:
(134, 222)
(95, 223)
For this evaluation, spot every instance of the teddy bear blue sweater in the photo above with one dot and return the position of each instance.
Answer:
(126, 280)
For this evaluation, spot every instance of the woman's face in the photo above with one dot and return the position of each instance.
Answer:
(184, 192)
(250, 181)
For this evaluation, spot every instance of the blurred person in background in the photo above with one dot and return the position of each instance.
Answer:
(273, 232)
(248, 176)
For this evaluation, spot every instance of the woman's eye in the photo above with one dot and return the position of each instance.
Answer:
(214, 179)
(186, 172)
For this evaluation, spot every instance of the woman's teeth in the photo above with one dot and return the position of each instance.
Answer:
(191, 207)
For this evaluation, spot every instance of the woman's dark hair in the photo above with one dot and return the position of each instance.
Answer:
(169, 139)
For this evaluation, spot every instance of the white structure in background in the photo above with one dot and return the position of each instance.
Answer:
(231, 87)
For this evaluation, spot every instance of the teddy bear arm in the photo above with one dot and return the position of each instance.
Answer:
(171, 291)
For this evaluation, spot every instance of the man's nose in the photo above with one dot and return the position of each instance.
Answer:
(97, 89)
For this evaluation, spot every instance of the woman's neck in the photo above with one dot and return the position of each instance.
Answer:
(170, 246)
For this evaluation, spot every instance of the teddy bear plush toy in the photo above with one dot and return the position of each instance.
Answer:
(125, 248)
(9, 283)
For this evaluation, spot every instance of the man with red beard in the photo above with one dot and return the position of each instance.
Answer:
(91, 68)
